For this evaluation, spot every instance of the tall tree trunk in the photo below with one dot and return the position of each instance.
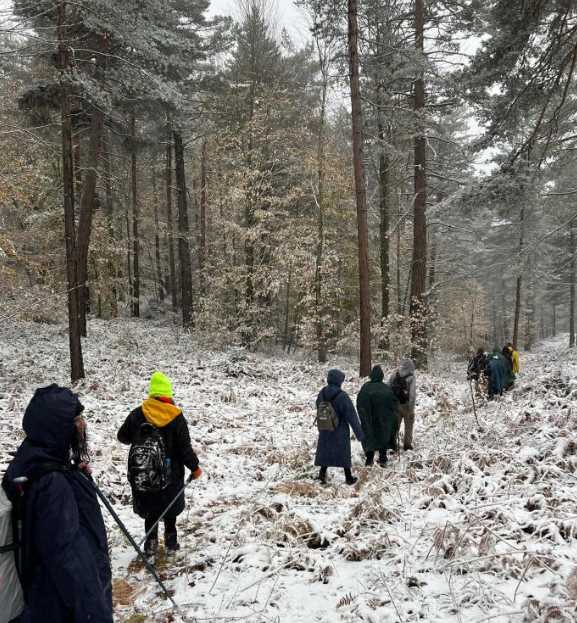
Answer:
(383, 180)
(384, 232)
(504, 333)
(398, 260)
(530, 307)
(128, 252)
(319, 306)
(157, 256)
(74, 338)
(202, 255)
(135, 222)
(183, 233)
(287, 309)
(170, 224)
(518, 286)
(109, 198)
(572, 278)
(86, 212)
(77, 163)
(433, 262)
(360, 190)
(419, 264)
(250, 255)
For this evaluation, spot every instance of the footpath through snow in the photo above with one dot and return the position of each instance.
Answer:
(474, 525)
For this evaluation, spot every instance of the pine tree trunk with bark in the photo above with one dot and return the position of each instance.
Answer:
(86, 212)
(157, 254)
(287, 309)
(109, 205)
(384, 233)
(319, 306)
(418, 303)
(74, 337)
(519, 281)
(572, 278)
(360, 191)
(202, 249)
(398, 260)
(183, 234)
(170, 224)
(135, 222)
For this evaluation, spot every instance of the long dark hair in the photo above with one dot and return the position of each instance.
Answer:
(79, 450)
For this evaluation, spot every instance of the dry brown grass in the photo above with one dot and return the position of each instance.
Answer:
(299, 488)
(123, 593)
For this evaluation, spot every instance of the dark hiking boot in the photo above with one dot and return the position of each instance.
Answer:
(172, 548)
(383, 463)
(351, 480)
(150, 547)
(408, 447)
(171, 542)
(322, 477)
(369, 463)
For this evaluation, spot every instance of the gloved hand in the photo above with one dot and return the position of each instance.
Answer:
(196, 474)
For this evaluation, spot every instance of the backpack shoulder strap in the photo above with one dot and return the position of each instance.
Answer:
(336, 395)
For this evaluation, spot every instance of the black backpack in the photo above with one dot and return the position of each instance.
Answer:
(401, 389)
(148, 465)
(327, 418)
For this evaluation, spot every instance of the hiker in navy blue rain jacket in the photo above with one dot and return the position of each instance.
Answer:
(66, 570)
(334, 447)
(496, 373)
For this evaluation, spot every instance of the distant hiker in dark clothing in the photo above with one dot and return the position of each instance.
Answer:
(377, 407)
(477, 366)
(477, 369)
(66, 570)
(160, 450)
(496, 372)
(404, 386)
(334, 447)
(509, 377)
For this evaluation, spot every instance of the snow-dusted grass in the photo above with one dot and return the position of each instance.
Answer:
(474, 525)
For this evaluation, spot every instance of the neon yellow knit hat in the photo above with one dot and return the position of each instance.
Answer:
(160, 385)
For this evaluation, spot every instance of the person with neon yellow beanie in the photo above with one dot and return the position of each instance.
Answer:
(160, 449)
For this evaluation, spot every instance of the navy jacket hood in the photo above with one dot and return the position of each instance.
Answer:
(49, 418)
(335, 377)
(49, 426)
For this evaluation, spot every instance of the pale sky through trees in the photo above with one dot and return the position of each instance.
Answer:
(284, 12)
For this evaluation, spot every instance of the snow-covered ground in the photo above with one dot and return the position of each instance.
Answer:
(476, 524)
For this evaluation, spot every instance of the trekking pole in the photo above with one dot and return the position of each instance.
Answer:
(189, 480)
(474, 405)
(134, 544)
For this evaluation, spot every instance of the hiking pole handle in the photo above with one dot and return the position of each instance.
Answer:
(127, 534)
(165, 511)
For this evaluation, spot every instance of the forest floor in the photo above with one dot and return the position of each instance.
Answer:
(476, 524)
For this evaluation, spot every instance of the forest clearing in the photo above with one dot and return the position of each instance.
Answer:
(470, 525)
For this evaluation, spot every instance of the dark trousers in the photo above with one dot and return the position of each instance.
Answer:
(170, 534)
(370, 454)
(323, 473)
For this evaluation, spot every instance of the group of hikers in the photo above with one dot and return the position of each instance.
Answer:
(496, 370)
(60, 540)
(382, 407)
